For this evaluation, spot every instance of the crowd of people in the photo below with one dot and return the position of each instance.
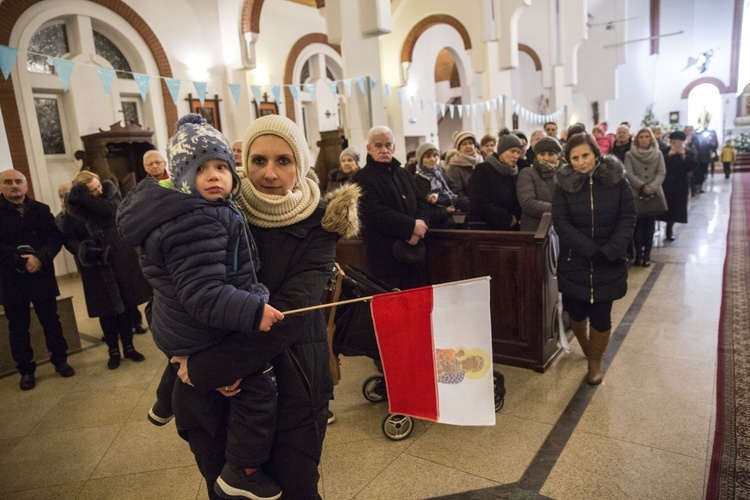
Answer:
(220, 239)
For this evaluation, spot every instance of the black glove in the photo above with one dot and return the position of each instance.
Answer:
(90, 254)
(599, 258)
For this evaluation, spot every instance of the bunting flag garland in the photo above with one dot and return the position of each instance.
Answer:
(200, 89)
(8, 57)
(334, 88)
(64, 70)
(442, 109)
(361, 83)
(234, 89)
(106, 76)
(451, 107)
(311, 91)
(295, 92)
(255, 89)
(276, 91)
(373, 83)
(173, 85)
(348, 87)
(141, 81)
(460, 111)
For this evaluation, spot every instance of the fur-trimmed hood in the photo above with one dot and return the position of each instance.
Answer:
(609, 171)
(97, 212)
(342, 215)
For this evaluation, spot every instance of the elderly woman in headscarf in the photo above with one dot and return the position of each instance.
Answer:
(461, 166)
(536, 185)
(348, 166)
(433, 187)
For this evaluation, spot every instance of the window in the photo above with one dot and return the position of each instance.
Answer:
(50, 124)
(130, 114)
(50, 41)
(109, 51)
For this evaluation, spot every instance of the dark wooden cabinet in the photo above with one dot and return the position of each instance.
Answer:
(523, 289)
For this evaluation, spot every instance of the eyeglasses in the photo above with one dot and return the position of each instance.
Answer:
(155, 162)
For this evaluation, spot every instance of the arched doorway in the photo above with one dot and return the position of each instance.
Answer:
(705, 109)
(448, 91)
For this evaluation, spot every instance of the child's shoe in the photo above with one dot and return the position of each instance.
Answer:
(159, 414)
(236, 482)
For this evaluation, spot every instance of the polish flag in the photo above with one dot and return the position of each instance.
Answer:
(436, 347)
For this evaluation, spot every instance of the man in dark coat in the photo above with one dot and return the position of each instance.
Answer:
(393, 215)
(29, 241)
(623, 142)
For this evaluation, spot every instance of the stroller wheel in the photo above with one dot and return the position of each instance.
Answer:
(373, 389)
(499, 382)
(397, 427)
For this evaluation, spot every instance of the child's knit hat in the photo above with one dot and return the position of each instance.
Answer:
(193, 143)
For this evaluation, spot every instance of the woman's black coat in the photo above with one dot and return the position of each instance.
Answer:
(112, 285)
(594, 217)
(676, 186)
(493, 199)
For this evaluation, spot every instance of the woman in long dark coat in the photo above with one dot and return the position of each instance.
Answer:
(679, 161)
(594, 214)
(112, 281)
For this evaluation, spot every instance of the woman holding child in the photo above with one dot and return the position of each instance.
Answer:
(295, 237)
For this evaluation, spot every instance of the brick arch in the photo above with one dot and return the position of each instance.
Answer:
(251, 14)
(723, 89)
(10, 12)
(532, 54)
(407, 51)
(291, 59)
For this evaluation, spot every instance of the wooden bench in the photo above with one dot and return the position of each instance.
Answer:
(523, 290)
(41, 355)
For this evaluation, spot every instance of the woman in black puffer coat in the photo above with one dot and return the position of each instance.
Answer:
(594, 215)
(112, 281)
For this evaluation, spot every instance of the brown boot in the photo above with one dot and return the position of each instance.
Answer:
(581, 331)
(597, 344)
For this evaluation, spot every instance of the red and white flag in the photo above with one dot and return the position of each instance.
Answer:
(436, 347)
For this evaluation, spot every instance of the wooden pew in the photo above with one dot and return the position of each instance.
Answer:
(523, 290)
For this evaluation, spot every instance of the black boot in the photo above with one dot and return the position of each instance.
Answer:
(129, 352)
(114, 358)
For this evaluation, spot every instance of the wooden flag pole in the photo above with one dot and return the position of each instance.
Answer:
(364, 299)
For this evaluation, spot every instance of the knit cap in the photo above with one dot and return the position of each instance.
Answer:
(547, 145)
(422, 150)
(507, 141)
(460, 137)
(286, 129)
(194, 142)
(350, 151)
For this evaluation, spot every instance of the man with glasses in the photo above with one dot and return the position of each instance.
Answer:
(155, 165)
(394, 217)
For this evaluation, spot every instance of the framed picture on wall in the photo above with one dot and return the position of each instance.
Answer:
(266, 108)
(209, 110)
(674, 117)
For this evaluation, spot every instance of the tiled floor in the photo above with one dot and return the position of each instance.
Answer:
(645, 433)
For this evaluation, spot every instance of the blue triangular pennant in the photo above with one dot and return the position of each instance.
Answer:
(295, 92)
(460, 112)
(256, 94)
(387, 91)
(373, 82)
(442, 109)
(487, 105)
(64, 69)
(348, 87)
(234, 89)
(276, 91)
(334, 88)
(7, 59)
(421, 104)
(106, 76)
(361, 82)
(411, 101)
(494, 103)
(311, 91)
(400, 96)
(200, 89)
(434, 107)
(141, 81)
(451, 107)
(173, 85)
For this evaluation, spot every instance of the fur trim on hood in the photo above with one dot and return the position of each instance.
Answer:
(341, 215)
(609, 171)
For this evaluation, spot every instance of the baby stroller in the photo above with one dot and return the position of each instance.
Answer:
(354, 335)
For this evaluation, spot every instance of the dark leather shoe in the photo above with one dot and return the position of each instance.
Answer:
(646, 263)
(28, 381)
(65, 370)
(139, 328)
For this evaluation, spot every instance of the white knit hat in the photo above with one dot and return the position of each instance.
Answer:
(286, 129)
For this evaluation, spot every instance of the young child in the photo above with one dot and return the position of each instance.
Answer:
(728, 157)
(198, 254)
(605, 142)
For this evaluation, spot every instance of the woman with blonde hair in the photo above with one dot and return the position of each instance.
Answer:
(112, 281)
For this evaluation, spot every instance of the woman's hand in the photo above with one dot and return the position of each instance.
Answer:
(182, 373)
(432, 198)
(270, 316)
(648, 190)
(230, 390)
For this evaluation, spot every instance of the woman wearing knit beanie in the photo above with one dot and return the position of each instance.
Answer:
(348, 166)
(432, 185)
(536, 185)
(492, 188)
(461, 166)
(296, 234)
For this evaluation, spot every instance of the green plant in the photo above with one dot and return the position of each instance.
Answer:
(650, 119)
